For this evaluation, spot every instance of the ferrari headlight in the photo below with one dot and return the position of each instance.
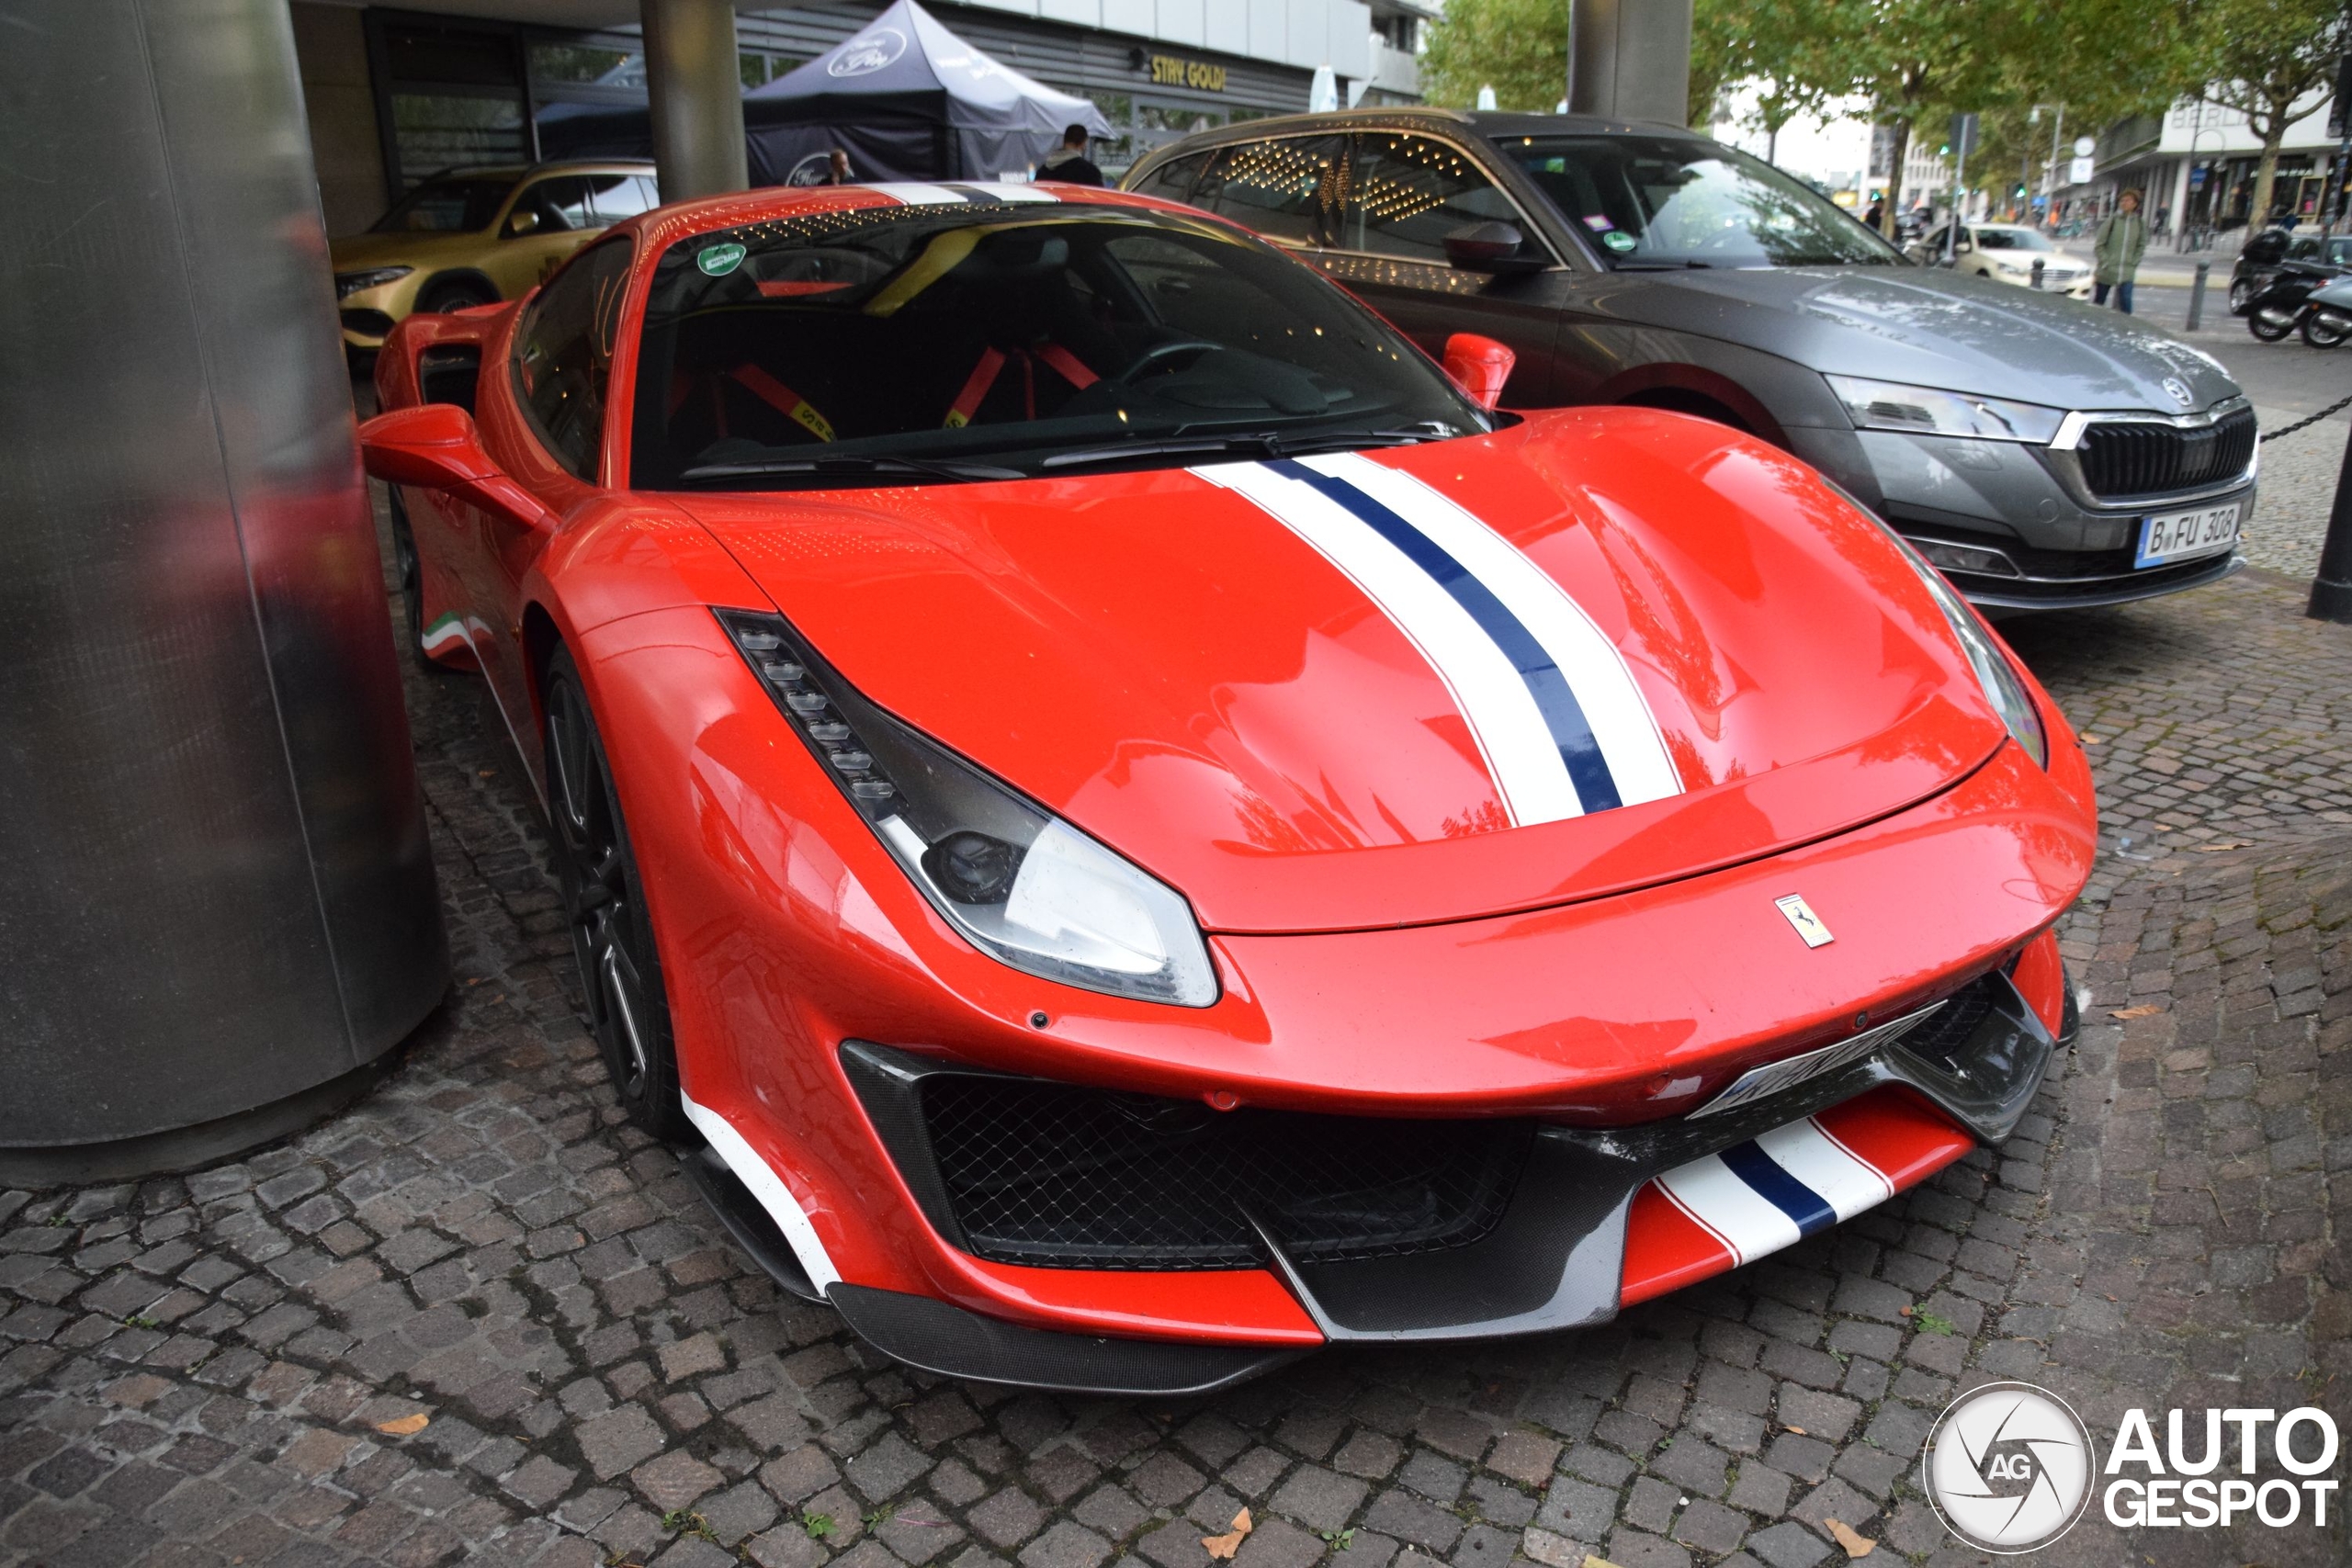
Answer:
(1924, 410)
(1024, 887)
(347, 284)
(2002, 688)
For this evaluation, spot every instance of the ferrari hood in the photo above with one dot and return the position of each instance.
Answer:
(1600, 650)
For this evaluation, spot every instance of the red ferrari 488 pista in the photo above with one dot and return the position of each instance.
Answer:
(1131, 826)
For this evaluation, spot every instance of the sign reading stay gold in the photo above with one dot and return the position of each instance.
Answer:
(1170, 70)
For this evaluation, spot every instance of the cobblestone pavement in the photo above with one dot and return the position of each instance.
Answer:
(475, 1315)
(2299, 477)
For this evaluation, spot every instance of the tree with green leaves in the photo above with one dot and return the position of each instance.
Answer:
(1520, 48)
(2264, 58)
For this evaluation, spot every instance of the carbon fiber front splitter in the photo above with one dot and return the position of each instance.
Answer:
(1556, 1260)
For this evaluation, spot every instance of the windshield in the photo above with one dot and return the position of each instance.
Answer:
(457, 205)
(1650, 201)
(1000, 341)
(2012, 240)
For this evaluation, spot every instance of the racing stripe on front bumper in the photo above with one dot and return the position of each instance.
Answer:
(1752, 1199)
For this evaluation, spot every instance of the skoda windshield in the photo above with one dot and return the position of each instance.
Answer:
(1650, 202)
(1006, 340)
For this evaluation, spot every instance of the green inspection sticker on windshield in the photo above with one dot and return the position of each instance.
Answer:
(1616, 239)
(721, 260)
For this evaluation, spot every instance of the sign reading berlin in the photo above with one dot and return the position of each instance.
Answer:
(1171, 70)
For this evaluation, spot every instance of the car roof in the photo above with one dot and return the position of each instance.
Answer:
(1493, 124)
(517, 171)
(665, 226)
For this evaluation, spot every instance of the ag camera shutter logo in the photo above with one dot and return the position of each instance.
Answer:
(2008, 1467)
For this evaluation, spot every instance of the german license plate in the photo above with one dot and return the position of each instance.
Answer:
(2183, 536)
(1757, 1083)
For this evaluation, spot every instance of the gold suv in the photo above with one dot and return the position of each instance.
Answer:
(473, 236)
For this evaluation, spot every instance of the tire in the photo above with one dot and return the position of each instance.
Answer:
(604, 904)
(2319, 336)
(445, 295)
(2241, 295)
(410, 572)
(2268, 332)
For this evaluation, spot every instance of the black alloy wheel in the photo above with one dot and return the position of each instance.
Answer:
(454, 294)
(2241, 295)
(2317, 333)
(603, 903)
(412, 583)
(2260, 325)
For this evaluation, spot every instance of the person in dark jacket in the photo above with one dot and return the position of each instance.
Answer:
(1068, 163)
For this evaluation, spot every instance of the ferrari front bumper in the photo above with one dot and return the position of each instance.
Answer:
(1557, 1256)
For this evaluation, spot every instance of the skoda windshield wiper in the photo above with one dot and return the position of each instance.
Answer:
(1255, 444)
(846, 463)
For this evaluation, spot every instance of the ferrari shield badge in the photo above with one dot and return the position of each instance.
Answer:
(1808, 924)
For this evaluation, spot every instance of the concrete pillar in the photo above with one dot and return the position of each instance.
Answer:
(697, 88)
(1630, 59)
(217, 904)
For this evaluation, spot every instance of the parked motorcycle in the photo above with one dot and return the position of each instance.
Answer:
(2327, 314)
(2280, 304)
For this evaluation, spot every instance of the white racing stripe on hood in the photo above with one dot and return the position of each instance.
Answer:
(1504, 721)
(1622, 722)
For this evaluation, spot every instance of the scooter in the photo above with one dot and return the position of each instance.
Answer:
(2280, 306)
(2327, 314)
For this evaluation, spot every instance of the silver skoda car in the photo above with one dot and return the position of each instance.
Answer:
(2045, 454)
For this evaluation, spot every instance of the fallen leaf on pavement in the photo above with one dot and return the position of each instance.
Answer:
(404, 1425)
(1591, 1561)
(2144, 1010)
(1855, 1545)
(1223, 1547)
(2216, 849)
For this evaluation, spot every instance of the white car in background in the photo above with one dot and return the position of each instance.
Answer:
(2005, 253)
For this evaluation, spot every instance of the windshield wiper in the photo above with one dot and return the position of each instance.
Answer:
(1255, 444)
(849, 463)
(1686, 266)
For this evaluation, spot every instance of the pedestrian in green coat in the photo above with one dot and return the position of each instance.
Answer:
(2122, 241)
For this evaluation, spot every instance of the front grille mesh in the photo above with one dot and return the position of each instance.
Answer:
(2129, 458)
(1055, 1176)
(1948, 1029)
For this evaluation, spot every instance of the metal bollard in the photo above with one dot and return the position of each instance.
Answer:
(2331, 588)
(2038, 265)
(2196, 296)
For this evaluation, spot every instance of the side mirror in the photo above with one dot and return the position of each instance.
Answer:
(1480, 366)
(521, 221)
(1491, 248)
(436, 447)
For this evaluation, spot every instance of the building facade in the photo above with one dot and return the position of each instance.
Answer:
(395, 96)
(2195, 167)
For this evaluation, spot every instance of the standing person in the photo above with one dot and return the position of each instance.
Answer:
(1876, 217)
(1068, 163)
(837, 169)
(2122, 241)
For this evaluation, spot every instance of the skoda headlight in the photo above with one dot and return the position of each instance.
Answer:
(347, 284)
(1994, 673)
(1024, 887)
(1924, 410)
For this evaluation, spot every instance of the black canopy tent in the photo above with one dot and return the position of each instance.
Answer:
(904, 97)
(908, 99)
